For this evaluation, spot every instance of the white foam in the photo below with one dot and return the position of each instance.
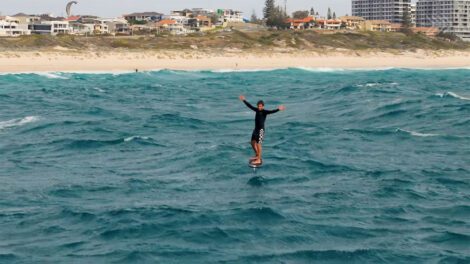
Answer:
(18, 122)
(452, 94)
(51, 75)
(417, 134)
(323, 69)
(458, 96)
(312, 69)
(98, 89)
(135, 137)
(376, 84)
(246, 70)
(320, 69)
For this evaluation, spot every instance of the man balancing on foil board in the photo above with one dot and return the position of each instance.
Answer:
(258, 133)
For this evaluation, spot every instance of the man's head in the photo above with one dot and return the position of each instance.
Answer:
(260, 105)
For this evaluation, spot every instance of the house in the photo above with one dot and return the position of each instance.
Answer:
(11, 27)
(173, 26)
(141, 28)
(202, 12)
(117, 25)
(396, 27)
(329, 24)
(84, 25)
(182, 13)
(230, 16)
(87, 19)
(352, 22)
(303, 23)
(72, 18)
(428, 31)
(179, 19)
(78, 28)
(144, 17)
(50, 27)
(204, 22)
(165, 25)
(100, 27)
(24, 21)
(183, 20)
(376, 25)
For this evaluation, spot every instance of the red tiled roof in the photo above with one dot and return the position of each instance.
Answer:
(166, 22)
(303, 20)
(330, 21)
(72, 18)
(429, 30)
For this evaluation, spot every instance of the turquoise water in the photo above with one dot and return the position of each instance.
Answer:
(363, 167)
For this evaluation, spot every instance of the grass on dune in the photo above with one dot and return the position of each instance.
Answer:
(254, 40)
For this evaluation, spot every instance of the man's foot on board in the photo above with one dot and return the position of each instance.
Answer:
(253, 158)
(256, 162)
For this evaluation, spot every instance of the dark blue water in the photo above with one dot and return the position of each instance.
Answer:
(363, 167)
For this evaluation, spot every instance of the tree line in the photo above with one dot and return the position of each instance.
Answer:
(276, 16)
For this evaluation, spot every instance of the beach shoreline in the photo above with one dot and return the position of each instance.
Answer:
(121, 61)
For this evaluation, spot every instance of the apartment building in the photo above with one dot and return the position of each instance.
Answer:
(451, 16)
(390, 10)
(413, 14)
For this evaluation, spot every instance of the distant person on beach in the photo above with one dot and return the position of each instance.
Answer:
(258, 133)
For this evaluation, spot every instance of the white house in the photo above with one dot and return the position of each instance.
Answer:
(174, 27)
(11, 27)
(118, 26)
(144, 16)
(78, 28)
(52, 27)
(101, 27)
(229, 15)
(25, 20)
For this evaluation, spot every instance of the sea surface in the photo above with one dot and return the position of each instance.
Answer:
(364, 166)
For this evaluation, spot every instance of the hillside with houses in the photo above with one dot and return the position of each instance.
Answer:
(180, 22)
(200, 28)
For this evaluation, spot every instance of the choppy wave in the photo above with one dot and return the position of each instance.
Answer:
(376, 84)
(135, 138)
(452, 94)
(152, 167)
(245, 70)
(18, 122)
(59, 74)
(51, 75)
(417, 134)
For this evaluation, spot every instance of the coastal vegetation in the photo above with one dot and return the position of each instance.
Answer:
(238, 39)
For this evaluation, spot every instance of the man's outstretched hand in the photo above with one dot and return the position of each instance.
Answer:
(281, 108)
(242, 98)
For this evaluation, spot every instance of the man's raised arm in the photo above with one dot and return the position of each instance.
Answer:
(242, 98)
(280, 108)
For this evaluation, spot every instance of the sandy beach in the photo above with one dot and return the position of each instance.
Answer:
(230, 60)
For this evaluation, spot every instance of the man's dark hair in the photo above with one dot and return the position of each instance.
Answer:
(260, 102)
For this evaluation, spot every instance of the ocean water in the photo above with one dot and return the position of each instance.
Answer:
(364, 166)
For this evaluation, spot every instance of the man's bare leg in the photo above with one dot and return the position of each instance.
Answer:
(258, 159)
(255, 149)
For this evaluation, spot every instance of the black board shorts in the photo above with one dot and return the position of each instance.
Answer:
(258, 136)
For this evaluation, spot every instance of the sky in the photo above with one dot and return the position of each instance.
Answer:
(115, 8)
